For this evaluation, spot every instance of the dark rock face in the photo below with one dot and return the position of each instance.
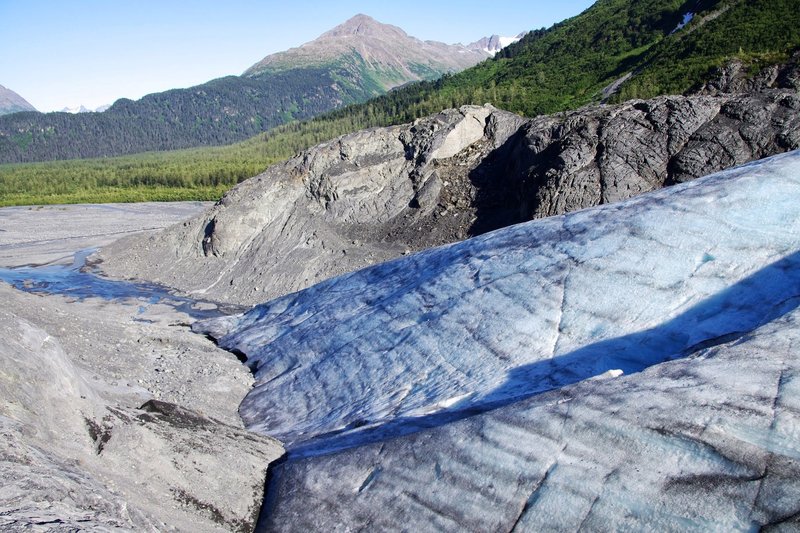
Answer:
(734, 78)
(605, 154)
(377, 194)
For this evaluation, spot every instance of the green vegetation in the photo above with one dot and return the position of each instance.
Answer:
(548, 71)
(569, 65)
(117, 195)
(191, 174)
(219, 112)
(758, 32)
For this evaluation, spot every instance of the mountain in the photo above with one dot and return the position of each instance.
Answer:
(626, 367)
(11, 102)
(377, 194)
(78, 109)
(351, 63)
(495, 43)
(379, 55)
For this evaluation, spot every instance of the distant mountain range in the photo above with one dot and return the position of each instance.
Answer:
(11, 102)
(83, 109)
(351, 63)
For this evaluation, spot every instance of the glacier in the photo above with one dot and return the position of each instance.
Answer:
(710, 442)
(470, 326)
(634, 363)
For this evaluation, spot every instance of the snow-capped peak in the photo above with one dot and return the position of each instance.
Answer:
(495, 43)
(83, 109)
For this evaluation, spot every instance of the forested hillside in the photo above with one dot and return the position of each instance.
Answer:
(189, 174)
(569, 64)
(219, 112)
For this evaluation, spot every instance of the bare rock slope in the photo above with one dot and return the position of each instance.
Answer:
(11, 102)
(87, 445)
(393, 56)
(377, 194)
(114, 416)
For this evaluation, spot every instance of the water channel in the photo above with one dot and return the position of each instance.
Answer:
(81, 281)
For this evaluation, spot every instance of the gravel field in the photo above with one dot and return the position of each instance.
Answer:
(52, 234)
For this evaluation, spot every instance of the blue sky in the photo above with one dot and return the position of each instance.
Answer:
(58, 53)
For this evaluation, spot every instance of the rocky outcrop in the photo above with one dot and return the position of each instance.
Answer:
(600, 155)
(736, 77)
(377, 194)
(348, 203)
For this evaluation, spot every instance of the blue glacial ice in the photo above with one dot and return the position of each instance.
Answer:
(710, 442)
(468, 327)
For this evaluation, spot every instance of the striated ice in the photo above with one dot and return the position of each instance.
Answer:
(705, 443)
(460, 329)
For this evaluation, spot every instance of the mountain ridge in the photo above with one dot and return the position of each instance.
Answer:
(80, 108)
(494, 43)
(11, 102)
(233, 108)
(394, 57)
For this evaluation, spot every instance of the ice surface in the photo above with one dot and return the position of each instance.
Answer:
(710, 442)
(460, 329)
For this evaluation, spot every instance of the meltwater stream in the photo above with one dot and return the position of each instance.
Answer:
(79, 281)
